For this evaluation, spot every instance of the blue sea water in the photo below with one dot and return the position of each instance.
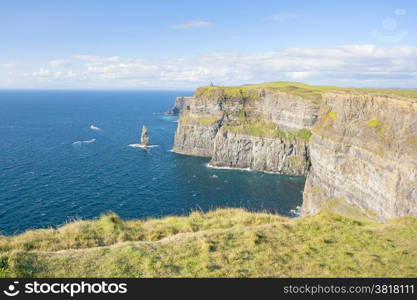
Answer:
(54, 167)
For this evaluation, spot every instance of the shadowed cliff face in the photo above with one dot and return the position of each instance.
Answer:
(361, 156)
(276, 155)
(195, 138)
(364, 153)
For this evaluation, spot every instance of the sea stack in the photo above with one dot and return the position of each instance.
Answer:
(144, 137)
(144, 140)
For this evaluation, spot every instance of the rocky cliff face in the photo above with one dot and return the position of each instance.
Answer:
(364, 153)
(289, 112)
(361, 156)
(195, 137)
(243, 151)
(265, 131)
(181, 104)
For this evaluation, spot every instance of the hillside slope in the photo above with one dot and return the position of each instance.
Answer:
(221, 243)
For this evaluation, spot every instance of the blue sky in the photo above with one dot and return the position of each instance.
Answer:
(183, 44)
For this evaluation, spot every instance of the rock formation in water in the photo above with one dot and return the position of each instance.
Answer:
(358, 148)
(144, 137)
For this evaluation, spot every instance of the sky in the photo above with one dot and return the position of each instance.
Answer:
(132, 44)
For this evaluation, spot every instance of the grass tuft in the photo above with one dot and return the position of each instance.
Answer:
(220, 243)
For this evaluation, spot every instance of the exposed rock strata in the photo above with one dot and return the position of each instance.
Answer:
(180, 105)
(194, 138)
(362, 153)
(275, 155)
(289, 112)
(205, 130)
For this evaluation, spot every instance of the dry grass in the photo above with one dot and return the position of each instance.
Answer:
(221, 243)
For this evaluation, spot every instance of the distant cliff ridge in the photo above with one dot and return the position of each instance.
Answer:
(179, 106)
(357, 147)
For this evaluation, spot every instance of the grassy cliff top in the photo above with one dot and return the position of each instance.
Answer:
(303, 90)
(221, 243)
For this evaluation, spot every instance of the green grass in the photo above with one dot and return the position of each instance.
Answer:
(332, 115)
(261, 129)
(396, 92)
(305, 91)
(378, 127)
(304, 134)
(187, 118)
(374, 123)
(221, 243)
(206, 120)
(265, 129)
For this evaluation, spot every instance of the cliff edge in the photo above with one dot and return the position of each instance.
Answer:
(363, 152)
(257, 127)
(357, 147)
(220, 243)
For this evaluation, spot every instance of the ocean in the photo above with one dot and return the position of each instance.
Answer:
(64, 155)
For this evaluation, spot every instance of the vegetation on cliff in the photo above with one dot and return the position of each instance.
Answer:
(305, 91)
(267, 129)
(221, 243)
(302, 90)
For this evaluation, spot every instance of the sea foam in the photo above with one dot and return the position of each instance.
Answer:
(92, 127)
(84, 142)
(296, 212)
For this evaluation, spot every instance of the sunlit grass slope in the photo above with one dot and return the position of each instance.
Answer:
(306, 91)
(221, 243)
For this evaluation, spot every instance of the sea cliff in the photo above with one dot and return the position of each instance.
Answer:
(180, 105)
(357, 147)
(262, 129)
(364, 152)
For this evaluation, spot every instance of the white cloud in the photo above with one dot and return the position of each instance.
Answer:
(86, 57)
(352, 65)
(58, 63)
(300, 75)
(42, 73)
(7, 64)
(191, 24)
(284, 17)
